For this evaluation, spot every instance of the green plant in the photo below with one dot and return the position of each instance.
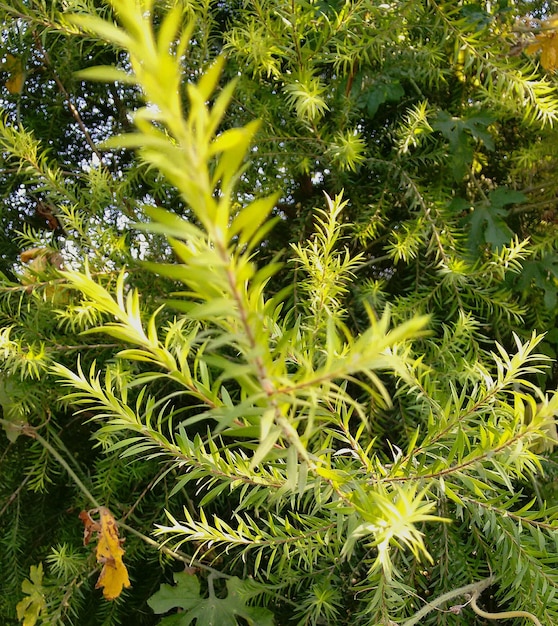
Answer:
(325, 451)
(285, 399)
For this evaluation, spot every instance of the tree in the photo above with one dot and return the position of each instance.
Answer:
(337, 399)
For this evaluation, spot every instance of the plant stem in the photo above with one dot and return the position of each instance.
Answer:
(172, 553)
(473, 591)
(31, 432)
(474, 588)
(503, 615)
(79, 483)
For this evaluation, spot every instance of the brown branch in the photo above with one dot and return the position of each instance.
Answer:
(71, 106)
(15, 494)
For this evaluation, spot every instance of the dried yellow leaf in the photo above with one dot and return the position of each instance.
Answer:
(549, 52)
(533, 48)
(551, 22)
(109, 552)
(32, 253)
(14, 66)
(547, 43)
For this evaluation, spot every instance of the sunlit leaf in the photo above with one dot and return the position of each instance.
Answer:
(33, 604)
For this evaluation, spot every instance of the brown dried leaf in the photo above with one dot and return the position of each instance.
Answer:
(32, 253)
(90, 526)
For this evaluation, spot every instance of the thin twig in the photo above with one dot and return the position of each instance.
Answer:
(14, 495)
(71, 105)
(33, 434)
(503, 614)
(473, 588)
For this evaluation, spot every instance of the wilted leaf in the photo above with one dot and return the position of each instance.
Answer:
(114, 575)
(32, 253)
(14, 66)
(90, 526)
(547, 43)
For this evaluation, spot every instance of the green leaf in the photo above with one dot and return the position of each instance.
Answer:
(208, 82)
(33, 604)
(458, 131)
(541, 273)
(106, 74)
(13, 418)
(101, 27)
(210, 610)
(379, 94)
(250, 218)
(487, 223)
(169, 224)
(503, 196)
(476, 125)
(229, 163)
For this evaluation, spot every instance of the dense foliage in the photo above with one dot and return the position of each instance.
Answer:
(278, 291)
